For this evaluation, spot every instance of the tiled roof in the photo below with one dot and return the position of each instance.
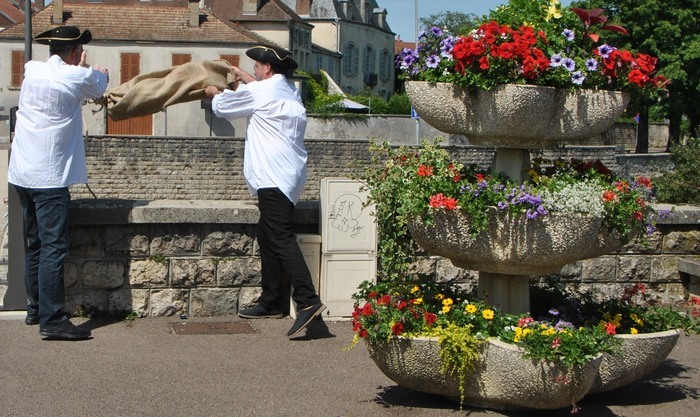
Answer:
(109, 22)
(272, 10)
(9, 12)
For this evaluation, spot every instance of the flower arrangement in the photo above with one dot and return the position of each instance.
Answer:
(417, 182)
(572, 332)
(531, 42)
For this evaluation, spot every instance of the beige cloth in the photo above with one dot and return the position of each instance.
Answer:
(152, 92)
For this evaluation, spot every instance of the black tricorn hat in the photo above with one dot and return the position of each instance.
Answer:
(275, 56)
(64, 35)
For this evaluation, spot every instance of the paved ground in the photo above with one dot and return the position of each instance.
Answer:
(142, 368)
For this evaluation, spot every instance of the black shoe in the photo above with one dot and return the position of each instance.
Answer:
(31, 320)
(259, 312)
(304, 317)
(64, 330)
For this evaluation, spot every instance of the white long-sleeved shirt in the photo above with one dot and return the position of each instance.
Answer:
(48, 149)
(275, 155)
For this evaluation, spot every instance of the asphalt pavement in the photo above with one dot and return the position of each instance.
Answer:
(153, 367)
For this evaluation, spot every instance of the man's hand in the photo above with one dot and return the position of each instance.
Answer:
(241, 75)
(211, 91)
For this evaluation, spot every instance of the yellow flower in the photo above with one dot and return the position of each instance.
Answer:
(418, 300)
(470, 308)
(487, 314)
(414, 289)
(518, 334)
(446, 309)
(447, 302)
(553, 10)
(439, 297)
(633, 331)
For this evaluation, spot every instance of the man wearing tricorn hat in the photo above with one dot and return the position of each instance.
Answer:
(47, 157)
(275, 170)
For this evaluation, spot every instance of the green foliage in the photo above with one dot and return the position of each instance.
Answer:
(454, 22)
(319, 101)
(399, 104)
(682, 186)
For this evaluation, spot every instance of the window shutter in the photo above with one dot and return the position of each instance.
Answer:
(17, 68)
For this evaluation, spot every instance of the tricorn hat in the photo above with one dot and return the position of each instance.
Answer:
(64, 35)
(274, 56)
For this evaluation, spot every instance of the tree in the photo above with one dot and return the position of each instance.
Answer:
(456, 23)
(670, 31)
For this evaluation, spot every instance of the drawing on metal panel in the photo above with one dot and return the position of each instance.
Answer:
(345, 214)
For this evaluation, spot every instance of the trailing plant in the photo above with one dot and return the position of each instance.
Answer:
(682, 185)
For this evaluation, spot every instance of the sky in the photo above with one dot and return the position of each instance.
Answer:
(401, 13)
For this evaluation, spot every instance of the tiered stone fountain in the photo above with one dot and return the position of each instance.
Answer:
(515, 119)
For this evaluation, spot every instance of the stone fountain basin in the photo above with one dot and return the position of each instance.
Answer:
(515, 115)
(640, 354)
(502, 378)
(513, 244)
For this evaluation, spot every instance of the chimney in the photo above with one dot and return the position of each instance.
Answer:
(194, 13)
(57, 12)
(363, 11)
(303, 7)
(250, 7)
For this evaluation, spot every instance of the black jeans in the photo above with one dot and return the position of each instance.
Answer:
(280, 253)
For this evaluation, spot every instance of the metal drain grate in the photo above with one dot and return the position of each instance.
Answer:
(212, 328)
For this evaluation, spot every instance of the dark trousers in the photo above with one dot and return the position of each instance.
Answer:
(45, 214)
(280, 254)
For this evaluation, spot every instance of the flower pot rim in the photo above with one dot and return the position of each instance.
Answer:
(517, 85)
(652, 335)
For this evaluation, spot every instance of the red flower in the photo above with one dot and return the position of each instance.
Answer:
(425, 171)
(430, 318)
(401, 305)
(609, 195)
(610, 328)
(556, 342)
(367, 310)
(637, 77)
(397, 329)
(384, 300)
(638, 216)
(364, 333)
(440, 201)
(643, 181)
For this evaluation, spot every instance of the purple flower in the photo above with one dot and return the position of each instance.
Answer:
(502, 205)
(650, 229)
(554, 311)
(665, 214)
(561, 325)
(568, 34)
(605, 50)
(433, 61)
(591, 64)
(577, 78)
(555, 60)
(569, 64)
(446, 46)
(436, 31)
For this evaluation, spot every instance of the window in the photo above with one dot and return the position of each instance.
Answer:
(234, 60)
(350, 60)
(385, 65)
(369, 60)
(179, 59)
(17, 68)
(130, 66)
(319, 63)
(331, 67)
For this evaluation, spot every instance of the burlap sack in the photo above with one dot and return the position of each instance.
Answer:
(152, 92)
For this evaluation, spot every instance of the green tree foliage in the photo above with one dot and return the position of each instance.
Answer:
(456, 23)
(682, 186)
(669, 30)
